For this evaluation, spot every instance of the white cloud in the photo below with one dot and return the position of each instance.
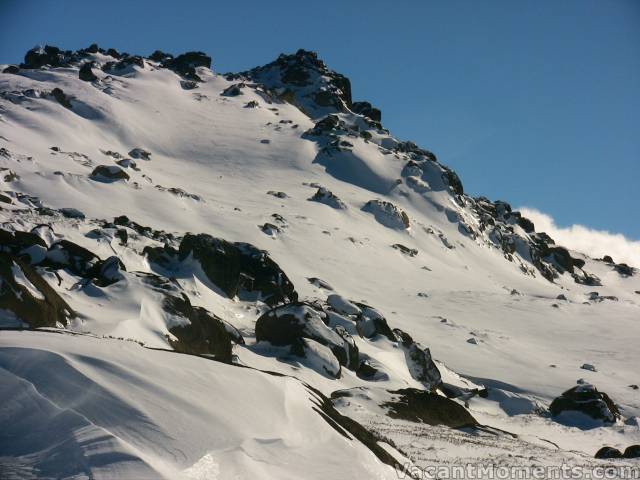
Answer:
(595, 243)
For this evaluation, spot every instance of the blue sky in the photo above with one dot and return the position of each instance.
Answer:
(532, 102)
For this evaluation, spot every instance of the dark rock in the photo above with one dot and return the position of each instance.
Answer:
(370, 323)
(86, 73)
(319, 283)
(587, 399)
(109, 271)
(608, 452)
(205, 333)
(607, 259)
(233, 90)
(526, 224)
(71, 213)
(140, 154)
(452, 179)
(632, 451)
(366, 371)
(11, 69)
(160, 56)
(108, 173)
(69, 255)
(365, 108)
(288, 324)
(623, 269)
(61, 97)
(328, 198)
(234, 267)
(425, 407)
(277, 194)
(38, 305)
(186, 64)
(419, 361)
(411, 252)
(38, 57)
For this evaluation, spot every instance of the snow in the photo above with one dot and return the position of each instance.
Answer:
(118, 409)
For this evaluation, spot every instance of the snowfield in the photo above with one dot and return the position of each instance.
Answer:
(173, 349)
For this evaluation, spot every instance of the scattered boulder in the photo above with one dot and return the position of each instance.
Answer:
(108, 173)
(342, 305)
(186, 64)
(410, 252)
(289, 324)
(365, 108)
(277, 194)
(13, 69)
(233, 90)
(238, 266)
(201, 332)
(69, 212)
(632, 451)
(319, 283)
(109, 271)
(588, 366)
(328, 198)
(78, 260)
(421, 365)
(370, 323)
(387, 214)
(61, 97)
(140, 154)
(421, 406)
(86, 74)
(608, 452)
(585, 398)
(29, 297)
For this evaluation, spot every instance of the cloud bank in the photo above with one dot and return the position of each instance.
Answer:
(595, 243)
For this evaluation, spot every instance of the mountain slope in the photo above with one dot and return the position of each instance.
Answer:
(374, 233)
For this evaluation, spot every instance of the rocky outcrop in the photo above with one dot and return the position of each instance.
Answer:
(28, 297)
(108, 173)
(86, 74)
(201, 331)
(365, 108)
(388, 214)
(328, 198)
(290, 324)
(421, 365)
(420, 406)
(585, 398)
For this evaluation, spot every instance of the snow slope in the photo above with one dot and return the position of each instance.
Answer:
(468, 288)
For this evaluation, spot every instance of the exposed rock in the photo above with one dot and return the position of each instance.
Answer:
(370, 323)
(86, 73)
(342, 305)
(632, 451)
(25, 294)
(233, 90)
(140, 154)
(387, 214)
(319, 283)
(277, 194)
(61, 97)
(11, 69)
(411, 252)
(452, 179)
(425, 407)
(288, 324)
(204, 333)
(608, 452)
(78, 260)
(69, 212)
(238, 266)
(109, 271)
(587, 399)
(328, 198)
(419, 361)
(108, 173)
(365, 108)
(186, 64)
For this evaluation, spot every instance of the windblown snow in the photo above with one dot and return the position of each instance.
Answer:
(246, 276)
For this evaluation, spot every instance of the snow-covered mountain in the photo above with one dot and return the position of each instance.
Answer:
(247, 276)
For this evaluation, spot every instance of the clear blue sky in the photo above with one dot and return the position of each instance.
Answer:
(532, 102)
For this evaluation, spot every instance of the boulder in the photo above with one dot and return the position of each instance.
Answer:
(421, 365)
(632, 451)
(29, 297)
(371, 323)
(108, 173)
(387, 214)
(186, 64)
(328, 198)
(608, 452)
(421, 406)
(235, 267)
(61, 97)
(585, 398)
(365, 108)
(200, 331)
(11, 69)
(140, 154)
(109, 271)
(289, 324)
(78, 260)
(86, 74)
(410, 252)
